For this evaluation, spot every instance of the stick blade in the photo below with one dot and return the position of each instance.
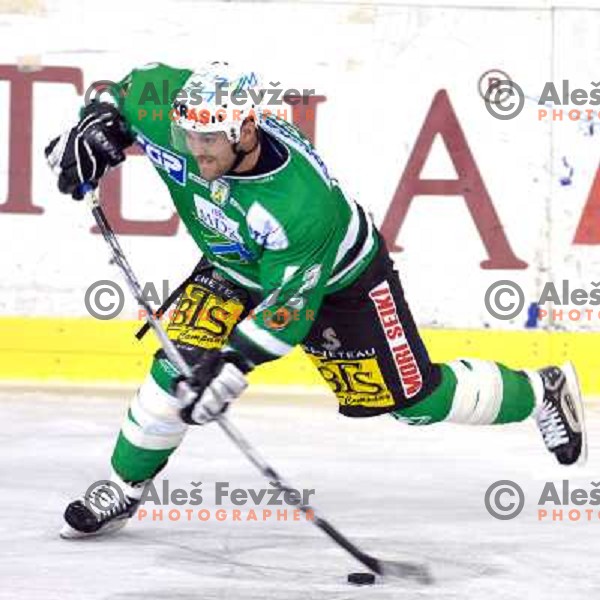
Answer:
(406, 570)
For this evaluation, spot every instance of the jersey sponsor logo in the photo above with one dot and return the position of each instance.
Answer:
(355, 382)
(174, 165)
(331, 340)
(404, 358)
(204, 319)
(337, 353)
(265, 229)
(229, 241)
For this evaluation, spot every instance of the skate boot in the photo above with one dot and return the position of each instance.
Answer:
(105, 507)
(560, 416)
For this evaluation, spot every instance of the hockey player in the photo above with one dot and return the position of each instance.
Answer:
(288, 259)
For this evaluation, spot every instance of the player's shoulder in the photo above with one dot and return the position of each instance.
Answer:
(145, 99)
(300, 197)
(150, 88)
(153, 73)
(284, 221)
(305, 171)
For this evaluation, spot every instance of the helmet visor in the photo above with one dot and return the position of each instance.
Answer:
(194, 143)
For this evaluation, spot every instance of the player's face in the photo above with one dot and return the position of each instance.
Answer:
(213, 153)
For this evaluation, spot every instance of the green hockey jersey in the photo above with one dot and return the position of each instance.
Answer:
(290, 235)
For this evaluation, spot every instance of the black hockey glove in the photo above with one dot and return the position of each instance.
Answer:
(84, 153)
(219, 377)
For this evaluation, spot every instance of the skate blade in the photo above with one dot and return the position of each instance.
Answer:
(573, 383)
(69, 533)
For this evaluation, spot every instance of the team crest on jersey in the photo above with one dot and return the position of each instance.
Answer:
(219, 191)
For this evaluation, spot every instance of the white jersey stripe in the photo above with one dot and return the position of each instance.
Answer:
(369, 243)
(243, 281)
(351, 235)
(263, 338)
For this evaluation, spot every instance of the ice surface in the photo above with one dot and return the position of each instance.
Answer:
(398, 492)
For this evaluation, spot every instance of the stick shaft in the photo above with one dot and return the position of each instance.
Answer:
(173, 354)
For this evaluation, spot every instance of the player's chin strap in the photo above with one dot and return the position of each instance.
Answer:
(417, 572)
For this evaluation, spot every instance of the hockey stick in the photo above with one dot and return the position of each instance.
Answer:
(401, 569)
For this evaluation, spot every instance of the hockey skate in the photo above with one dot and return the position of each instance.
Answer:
(105, 508)
(560, 417)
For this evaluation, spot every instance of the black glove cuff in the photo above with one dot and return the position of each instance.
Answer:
(207, 368)
(238, 360)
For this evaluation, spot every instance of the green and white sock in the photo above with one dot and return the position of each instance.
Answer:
(151, 430)
(474, 392)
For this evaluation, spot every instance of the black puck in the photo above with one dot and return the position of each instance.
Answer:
(361, 578)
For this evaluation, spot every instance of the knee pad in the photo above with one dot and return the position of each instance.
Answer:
(478, 395)
(153, 421)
